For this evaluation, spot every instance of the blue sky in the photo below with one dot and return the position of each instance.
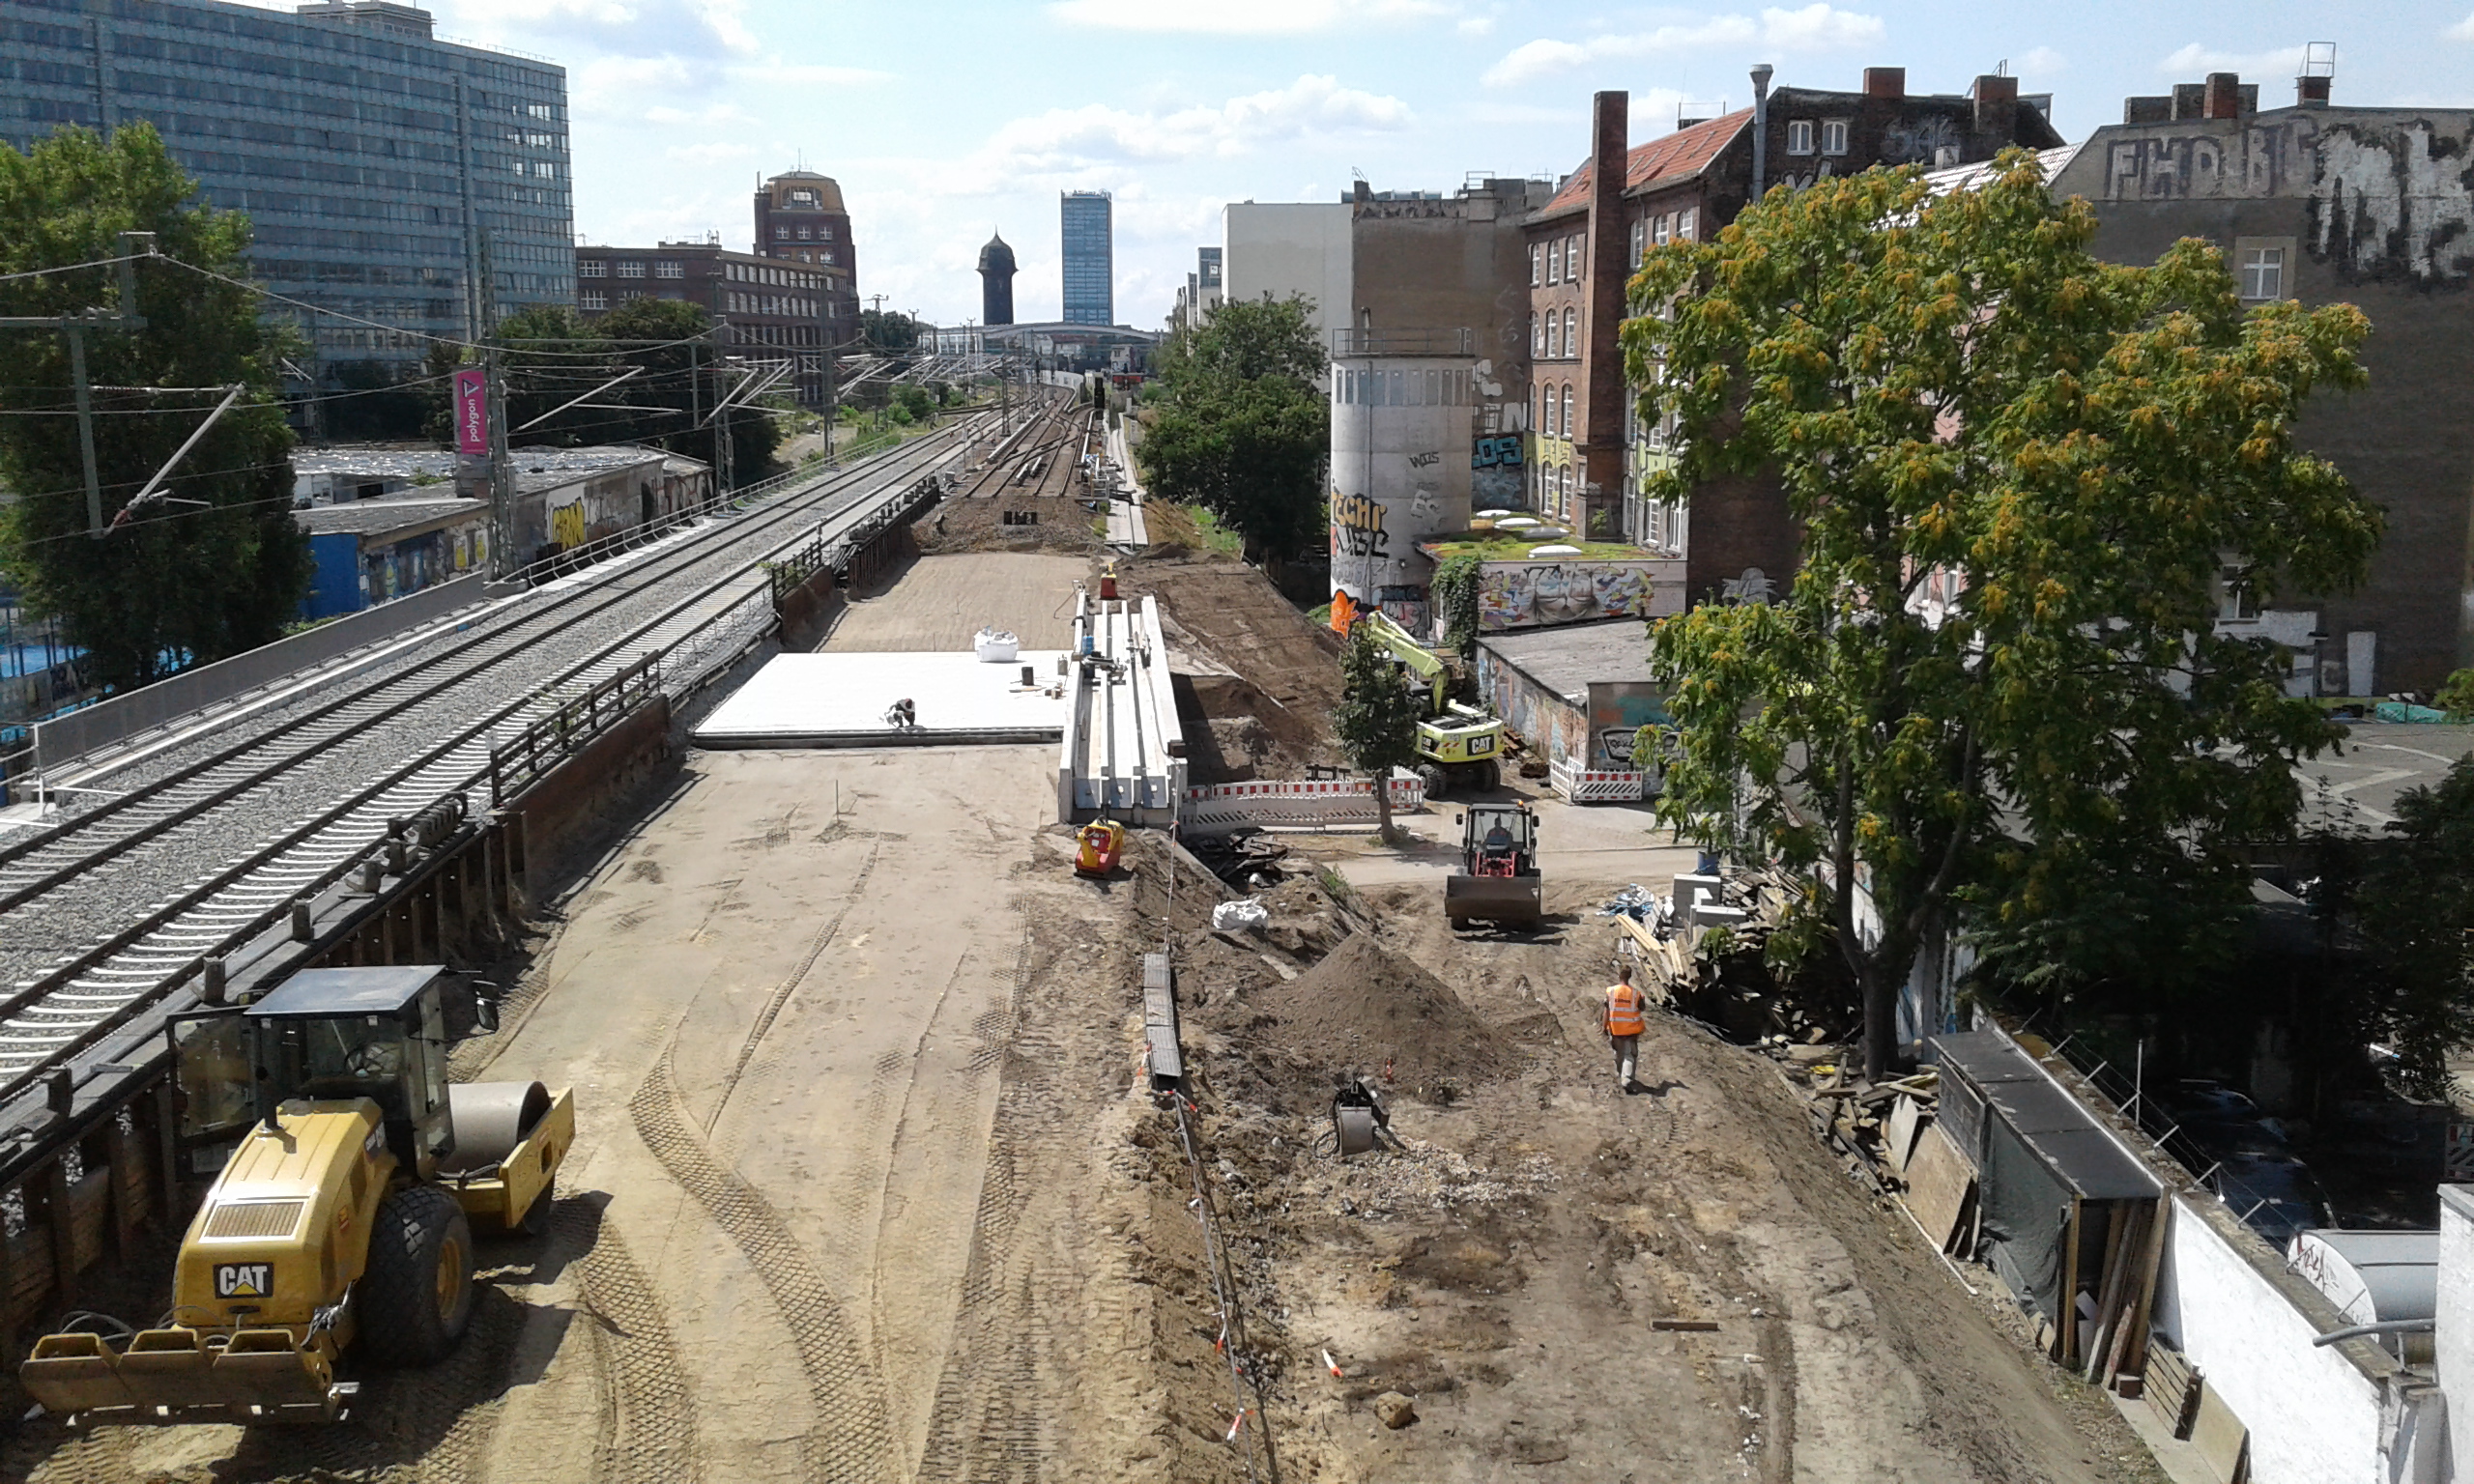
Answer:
(943, 118)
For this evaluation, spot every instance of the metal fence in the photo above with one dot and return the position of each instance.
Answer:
(519, 763)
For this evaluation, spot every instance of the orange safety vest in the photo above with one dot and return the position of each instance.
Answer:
(1623, 1004)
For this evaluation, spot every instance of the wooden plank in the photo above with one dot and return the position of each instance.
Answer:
(2131, 1355)
(1899, 1133)
(1938, 1185)
(2066, 1342)
(2120, 1220)
(1660, 957)
(2219, 1435)
(2169, 1388)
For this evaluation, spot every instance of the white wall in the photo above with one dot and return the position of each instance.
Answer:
(2454, 1338)
(1282, 248)
(2315, 1418)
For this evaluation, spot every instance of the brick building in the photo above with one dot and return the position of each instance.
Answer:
(767, 309)
(800, 218)
(1590, 453)
(2368, 206)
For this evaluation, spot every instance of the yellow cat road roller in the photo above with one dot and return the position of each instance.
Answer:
(344, 1215)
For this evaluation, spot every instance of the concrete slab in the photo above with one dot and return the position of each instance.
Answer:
(835, 699)
(943, 601)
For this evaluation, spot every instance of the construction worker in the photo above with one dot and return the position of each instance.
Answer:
(1624, 1017)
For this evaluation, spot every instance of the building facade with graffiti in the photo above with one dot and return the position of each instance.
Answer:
(1576, 696)
(369, 552)
(1403, 410)
(2319, 204)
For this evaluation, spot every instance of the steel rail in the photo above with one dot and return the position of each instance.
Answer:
(51, 1018)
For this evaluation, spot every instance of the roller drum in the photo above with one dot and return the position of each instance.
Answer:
(491, 1119)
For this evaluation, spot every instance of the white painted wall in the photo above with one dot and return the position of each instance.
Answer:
(2315, 1418)
(2454, 1339)
(1280, 248)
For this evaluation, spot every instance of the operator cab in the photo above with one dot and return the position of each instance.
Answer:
(334, 1036)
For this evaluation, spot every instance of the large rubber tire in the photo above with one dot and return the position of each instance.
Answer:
(1438, 782)
(416, 1295)
(1493, 777)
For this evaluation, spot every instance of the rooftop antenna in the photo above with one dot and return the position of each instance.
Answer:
(2001, 69)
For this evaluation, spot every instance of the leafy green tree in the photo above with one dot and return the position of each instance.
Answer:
(914, 402)
(1455, 593)
(888, 329)
(2015, 468)
(218, 567)
(2457, 696)
(1237, 425)
(1377, 717)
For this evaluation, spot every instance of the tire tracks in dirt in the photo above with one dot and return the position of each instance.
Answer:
(648, 1411)
(985, 1424)
(850, 1442)
(789, 984)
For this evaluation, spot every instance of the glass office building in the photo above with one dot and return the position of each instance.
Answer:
(416, 183)
(1090, 294)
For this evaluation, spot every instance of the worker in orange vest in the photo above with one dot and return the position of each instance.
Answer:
(1625, 1017)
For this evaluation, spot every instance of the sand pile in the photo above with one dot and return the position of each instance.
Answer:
(1363, 1006)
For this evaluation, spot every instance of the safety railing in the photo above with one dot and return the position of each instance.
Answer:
(520, 761)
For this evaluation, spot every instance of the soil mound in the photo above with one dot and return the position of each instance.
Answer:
(1363, 1006)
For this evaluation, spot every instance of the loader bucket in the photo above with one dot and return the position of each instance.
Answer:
(1517, 901)
(170, 1375)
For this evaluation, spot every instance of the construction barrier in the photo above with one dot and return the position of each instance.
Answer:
(1598, 786)
(1298, 803)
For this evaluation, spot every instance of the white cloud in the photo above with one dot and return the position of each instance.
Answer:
(621, 27)
(2195, 59)
(1248, 17)
(2462, 31)
(810, 74)
(1485, 25)
(1817, 27)
(1069, 141)
(2043, 61)
(712, 151)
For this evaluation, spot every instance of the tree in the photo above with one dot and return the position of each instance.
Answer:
(2016, 468)
(1238, 426)
(218, 567)
(1377, 717)
(2457, 696)
(888, 329)
(2407, 899)
(914, 403)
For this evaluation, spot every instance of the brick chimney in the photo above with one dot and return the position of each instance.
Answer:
(1601, 434)
(2223, 95)
(1997, 107)
(1886, 82)
(2311, 92)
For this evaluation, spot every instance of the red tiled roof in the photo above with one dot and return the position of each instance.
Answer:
(1684, 152)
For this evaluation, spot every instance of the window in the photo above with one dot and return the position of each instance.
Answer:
(1555, 261)
(825, 258)
(1554, 336)
(824, 234)
(665, 268)
(1660, 228)
(1572, 257)
(2263, 272)
(1639, 234)
(802, 233)
(593, 299)
(2238, 600)
(631, 269)
(1545, 402)
(1536, 337)
(1567, 409)
(591, 267)
(1537, 265)
(1684, 221)
(1833, 136)
(1572, 332)
(782, 233)
(1799, 137)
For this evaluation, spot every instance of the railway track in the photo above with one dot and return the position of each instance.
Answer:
(110, 909)
(1041, 459)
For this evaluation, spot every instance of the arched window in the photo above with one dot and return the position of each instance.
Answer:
(1543, 419)
(1536, 337)
(1571, 335)
(1567, 409)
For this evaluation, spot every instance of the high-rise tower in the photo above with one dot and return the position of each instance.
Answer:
(1090, 296)
(997, 282)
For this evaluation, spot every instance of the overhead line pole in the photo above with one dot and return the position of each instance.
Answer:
(75, 326)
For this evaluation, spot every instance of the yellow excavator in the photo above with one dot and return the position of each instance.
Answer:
(342, 1221)
(1458, 745)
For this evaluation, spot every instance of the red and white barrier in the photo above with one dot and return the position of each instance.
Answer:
(1598, 786)
(1219, 808)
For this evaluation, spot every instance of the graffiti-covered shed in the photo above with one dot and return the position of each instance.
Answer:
(373, 550)
(1576, 693)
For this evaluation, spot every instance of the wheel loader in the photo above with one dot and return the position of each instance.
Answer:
(1498, 879)
(343, 1217)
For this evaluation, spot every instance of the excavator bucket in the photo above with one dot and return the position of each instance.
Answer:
(173, 1376)
(1516, 901)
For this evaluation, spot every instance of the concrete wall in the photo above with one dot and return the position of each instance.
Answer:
(1280, 248)
(1452, 263)
(2375, 208)
(2314, 1414)
(1531, 594)
(1543, 720)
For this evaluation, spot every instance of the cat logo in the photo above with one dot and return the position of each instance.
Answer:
(244, 1280)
